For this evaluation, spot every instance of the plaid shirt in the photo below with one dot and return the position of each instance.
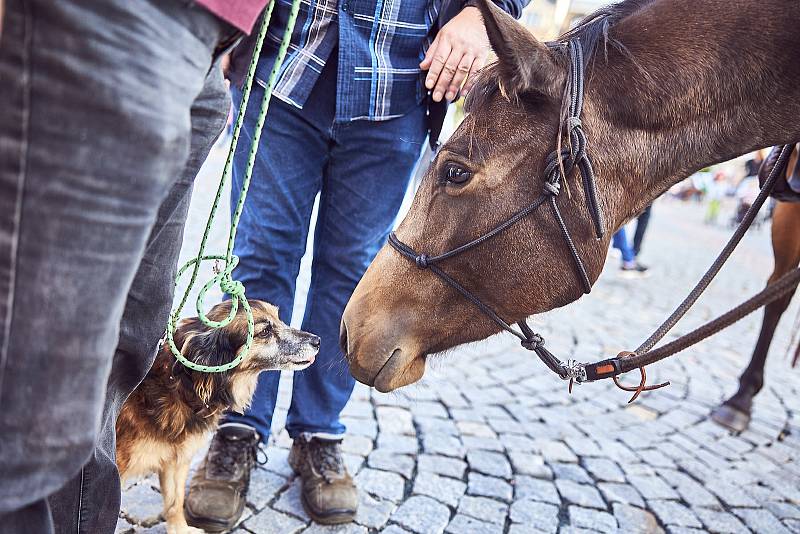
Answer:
(380, 45)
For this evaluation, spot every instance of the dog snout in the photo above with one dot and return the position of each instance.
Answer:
(314, 340)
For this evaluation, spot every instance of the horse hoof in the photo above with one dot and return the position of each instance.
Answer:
(731, 418)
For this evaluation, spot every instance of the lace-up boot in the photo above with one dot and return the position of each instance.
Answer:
(218, 489)
(329, 495)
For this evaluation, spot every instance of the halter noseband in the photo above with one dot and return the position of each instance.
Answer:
(557, 165)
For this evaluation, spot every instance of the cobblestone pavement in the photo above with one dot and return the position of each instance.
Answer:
(490, 441)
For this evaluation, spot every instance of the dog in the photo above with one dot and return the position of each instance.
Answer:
(170, 415)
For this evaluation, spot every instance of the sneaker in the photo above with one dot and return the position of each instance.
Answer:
(329, 494)
(635, 269)
(218, 490)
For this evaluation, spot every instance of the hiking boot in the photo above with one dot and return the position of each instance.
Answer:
(218, 490)
(329, 494)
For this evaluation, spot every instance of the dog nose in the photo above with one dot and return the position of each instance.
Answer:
(314, 341)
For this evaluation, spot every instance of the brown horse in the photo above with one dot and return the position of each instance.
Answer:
(734, 413)
(671, 86)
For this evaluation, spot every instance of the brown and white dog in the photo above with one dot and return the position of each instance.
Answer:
(170, 415)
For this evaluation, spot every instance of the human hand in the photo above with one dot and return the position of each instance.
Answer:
(456, 55)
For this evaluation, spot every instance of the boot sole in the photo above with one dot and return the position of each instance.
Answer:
(334, 517)
(210, 525)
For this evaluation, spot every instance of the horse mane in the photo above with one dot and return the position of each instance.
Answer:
(591, 31)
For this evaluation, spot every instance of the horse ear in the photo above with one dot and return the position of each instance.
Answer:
(525, 64)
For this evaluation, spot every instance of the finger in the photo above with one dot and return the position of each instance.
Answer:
(437, 64)
(426, 61)
(446, 76)
(477, 66)
(462, 71)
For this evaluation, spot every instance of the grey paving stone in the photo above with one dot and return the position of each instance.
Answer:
(536, 489)
(635, 520)
(475, 428)
(604, 470)
(382, 484)
(401, 464)
(269, 520)
(592, 519)
(142, 505)
(278, 462)
(422, 515)
(373, 513)
(489, 463)
(524, 463)
(517, 443)
(484, 486)
(556, 451)
(398, 444)
(264, 485)
(444, 489)
(580, 494)
(394, 529)
(436, 425)
(360, 445)
(395, 420)
(583, 446)
(123, 527)
(481, 443)
(783, 510)
(761, 520)
(463, 524)
(443, 444)
(539, 516)
(442, 465)
(483, 508)
(793, 525)
(349, 528)
(652, 487)
(360, 427)
(673, 513)
(572, 472)
(429, 409)
(621, 493)
(722, 522)
(730, 494)
(289, 501)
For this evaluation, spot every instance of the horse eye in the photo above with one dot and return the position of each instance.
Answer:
(456, 174)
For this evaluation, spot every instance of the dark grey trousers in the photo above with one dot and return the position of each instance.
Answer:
(107, 110)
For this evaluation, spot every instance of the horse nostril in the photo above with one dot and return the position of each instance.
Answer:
(343, 337)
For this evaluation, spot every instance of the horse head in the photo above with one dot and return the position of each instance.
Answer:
(495, 164)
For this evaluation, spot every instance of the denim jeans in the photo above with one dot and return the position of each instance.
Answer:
(620, 242)
(108, 110)
(361, 170)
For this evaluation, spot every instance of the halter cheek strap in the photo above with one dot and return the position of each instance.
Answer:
(558, 164)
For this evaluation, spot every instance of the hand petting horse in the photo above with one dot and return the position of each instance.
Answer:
(671, 86)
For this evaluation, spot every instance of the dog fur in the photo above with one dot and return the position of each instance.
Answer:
(169, 416)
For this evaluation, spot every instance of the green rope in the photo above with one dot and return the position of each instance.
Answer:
(223, 276)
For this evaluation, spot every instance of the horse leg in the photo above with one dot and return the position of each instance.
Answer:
(734, 413)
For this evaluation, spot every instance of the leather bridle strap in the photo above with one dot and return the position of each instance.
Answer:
(558, 165)
(645, 354)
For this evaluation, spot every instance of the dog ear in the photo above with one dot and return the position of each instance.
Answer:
(214, 347)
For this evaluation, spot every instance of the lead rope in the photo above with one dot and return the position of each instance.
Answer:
(223, 276)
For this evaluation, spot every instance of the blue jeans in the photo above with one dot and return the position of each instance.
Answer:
(620, 241)
(361, 170)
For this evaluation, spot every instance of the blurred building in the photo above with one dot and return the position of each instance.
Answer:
(548, 19)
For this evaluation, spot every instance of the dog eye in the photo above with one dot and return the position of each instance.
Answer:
(456, 174)
(266, 330)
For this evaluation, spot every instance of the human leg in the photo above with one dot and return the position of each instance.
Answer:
(91, 140)
(364, 184)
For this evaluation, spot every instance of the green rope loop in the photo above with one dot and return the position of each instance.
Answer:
(224, 277)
